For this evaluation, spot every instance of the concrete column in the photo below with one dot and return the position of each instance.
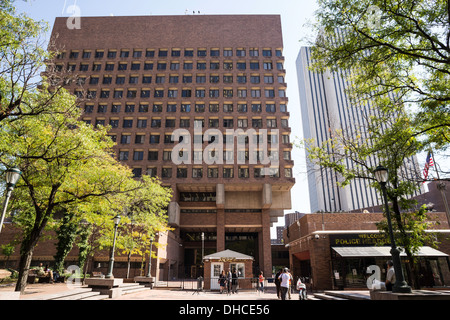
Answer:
(266, 257)
(174, 214)
(220, 231)
(220, 195)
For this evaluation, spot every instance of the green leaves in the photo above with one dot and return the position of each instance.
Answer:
(396, 49)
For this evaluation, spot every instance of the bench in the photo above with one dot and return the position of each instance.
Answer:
(32, 276)
(96, 274)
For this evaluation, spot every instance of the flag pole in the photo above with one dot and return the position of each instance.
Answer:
(441, 187)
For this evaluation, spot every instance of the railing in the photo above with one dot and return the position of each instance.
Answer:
(242, 284)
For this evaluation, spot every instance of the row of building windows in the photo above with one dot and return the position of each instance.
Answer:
(186, 123)
(187, 78)
(242, 155)
(242, 172)
(185, 93)
(163, 65)
(154, 138)
(150, 53)
(186, 107)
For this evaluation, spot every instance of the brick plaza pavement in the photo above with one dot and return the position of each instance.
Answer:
(39, 290)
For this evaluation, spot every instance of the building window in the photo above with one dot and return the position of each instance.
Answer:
(114, 123)
(227, 107)
(115, 108)
(156, 123)
(184, 123)
(271, 123)
(270, 107)
(138, 155)
(161, 66)
(157, 108)
(102, 108)
(242, 123)
(125, 139)
(256, 107)
(171, 107)
(123, 155)
(127, 123)
(167, 155)
(185, 107)
(152, 172)
(170, 123)
(228, 123)
(142, 123)
(228, 172)
(213, 123)
(243, 172)
(197, 172)
(166, 172)
(214, 107)
(143, 108)
(213, 172)
(242, 107)
(153, 155)
(199, 108)
(154, 139)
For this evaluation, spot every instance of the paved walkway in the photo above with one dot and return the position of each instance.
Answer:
(40, 290)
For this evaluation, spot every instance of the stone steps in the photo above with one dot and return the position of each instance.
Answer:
(341, 295)
(86, 293)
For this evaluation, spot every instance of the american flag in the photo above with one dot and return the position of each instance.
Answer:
(429, 163)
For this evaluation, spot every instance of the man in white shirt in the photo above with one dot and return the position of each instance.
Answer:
(390, 275)
(284, 285)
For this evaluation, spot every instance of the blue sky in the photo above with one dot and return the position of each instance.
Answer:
(295, 16)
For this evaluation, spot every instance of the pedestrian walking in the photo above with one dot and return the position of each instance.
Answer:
(229, 277)
(284, 283)
(390, 275)
(261, 282)
(301, 287)
(234, 281)
(222, 281)
(291, 280)
(277, 282)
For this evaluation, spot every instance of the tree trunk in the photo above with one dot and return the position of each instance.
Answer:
(24, 266)
(26, 254)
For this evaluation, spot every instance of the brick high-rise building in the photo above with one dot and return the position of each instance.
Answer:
(150, 76)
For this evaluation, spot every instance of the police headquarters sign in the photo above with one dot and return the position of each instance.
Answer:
(359, 239)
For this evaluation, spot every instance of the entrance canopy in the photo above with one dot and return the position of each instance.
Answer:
(354, 252)
(228, 255)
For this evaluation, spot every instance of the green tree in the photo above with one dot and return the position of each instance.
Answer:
(391, 48)
(384, 139)
(65, 163)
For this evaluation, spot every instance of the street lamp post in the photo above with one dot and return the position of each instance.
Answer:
(12, 176)
(203, 251)
(111, 259)
(400, 286)
(149, 274)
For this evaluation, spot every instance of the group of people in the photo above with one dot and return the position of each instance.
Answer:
(284, 281)
(47, 272)
(228, 281)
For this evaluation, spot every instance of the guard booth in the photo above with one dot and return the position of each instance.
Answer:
(228, 260)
